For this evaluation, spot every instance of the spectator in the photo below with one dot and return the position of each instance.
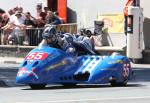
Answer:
(20, 9)
(1, 13)
(15, 9)
(0, 22)
(52, 19)
(19, 27)
(5, 19)
(46, 9)
(30, 23)
(40, 22)
(8, 29)
(29, 20)
(40, 16)
(12, 14)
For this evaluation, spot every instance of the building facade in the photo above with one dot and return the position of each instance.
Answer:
(84, 12)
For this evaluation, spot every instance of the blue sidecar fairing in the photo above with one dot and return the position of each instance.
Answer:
(46, 65)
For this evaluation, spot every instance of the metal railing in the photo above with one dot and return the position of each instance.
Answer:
(27, 36)
(30, 36)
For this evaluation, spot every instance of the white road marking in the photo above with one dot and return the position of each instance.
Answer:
(85, 100)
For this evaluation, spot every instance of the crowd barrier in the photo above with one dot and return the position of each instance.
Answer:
(30, 36)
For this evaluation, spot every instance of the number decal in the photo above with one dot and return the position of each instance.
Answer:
(31, 56)
(126, 69)
(36, 56)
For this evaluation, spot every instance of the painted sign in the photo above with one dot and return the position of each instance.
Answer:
(114, 22)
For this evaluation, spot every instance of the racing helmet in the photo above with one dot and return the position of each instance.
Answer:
(50, 33)
(68, 37)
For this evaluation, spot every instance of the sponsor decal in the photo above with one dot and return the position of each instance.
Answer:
(22, 71)
(62, 63)
(115, 62)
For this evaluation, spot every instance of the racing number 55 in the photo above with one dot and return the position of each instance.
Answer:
(36, 56)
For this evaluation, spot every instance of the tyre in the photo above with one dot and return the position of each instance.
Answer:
(69, 84)
(115, 84)
(37, 86)
(125, 75)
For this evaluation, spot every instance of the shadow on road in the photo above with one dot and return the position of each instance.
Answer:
(57, 87)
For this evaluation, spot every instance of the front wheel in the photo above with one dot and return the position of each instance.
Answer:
(69, 84)
(37, 86)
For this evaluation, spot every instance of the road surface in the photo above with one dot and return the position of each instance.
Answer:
(137, 90)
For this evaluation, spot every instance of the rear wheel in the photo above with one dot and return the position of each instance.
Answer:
(125, 75)
(114, 83)
(37, 86)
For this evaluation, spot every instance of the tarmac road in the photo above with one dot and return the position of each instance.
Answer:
(137, 91)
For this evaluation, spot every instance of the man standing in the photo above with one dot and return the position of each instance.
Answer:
(40, 15)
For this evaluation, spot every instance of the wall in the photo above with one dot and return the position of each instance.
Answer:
(87, 10)
(146, 26)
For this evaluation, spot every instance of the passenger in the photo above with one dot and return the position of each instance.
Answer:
(66, 41)
(84, 42)
(52, 39)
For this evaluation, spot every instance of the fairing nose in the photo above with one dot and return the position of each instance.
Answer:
(25, 78)
(22, 79)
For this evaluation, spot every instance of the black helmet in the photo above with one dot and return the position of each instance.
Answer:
(50, 32)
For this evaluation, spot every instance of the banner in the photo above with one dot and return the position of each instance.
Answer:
(114, 22)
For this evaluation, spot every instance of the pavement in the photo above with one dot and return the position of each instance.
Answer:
(11, 60)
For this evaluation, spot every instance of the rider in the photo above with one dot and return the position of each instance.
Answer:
(52, 39)
(66, 41)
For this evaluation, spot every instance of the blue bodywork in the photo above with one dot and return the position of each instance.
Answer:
(46, 65)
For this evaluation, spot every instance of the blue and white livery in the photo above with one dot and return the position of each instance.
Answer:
(47, 65)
